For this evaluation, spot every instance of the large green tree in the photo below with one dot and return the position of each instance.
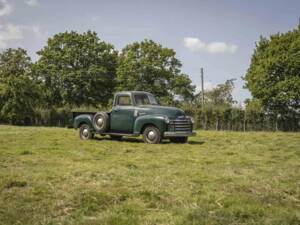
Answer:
(147, 66)
(274, 73)
(19, 91)
(77, 69)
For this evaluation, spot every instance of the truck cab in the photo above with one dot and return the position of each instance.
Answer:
(136, 113)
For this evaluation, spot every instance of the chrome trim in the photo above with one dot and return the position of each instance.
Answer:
(178, 134)
(180, 124)
(151, 135)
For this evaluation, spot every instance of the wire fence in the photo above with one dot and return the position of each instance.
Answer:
(231, 119)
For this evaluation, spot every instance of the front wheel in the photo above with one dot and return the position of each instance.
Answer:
(85, 132)
(152, 135)
(179, 139)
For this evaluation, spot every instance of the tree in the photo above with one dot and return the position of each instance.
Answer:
(274, 73)
(19, 91)
(77, 69)
(147, 66)
(220, 96)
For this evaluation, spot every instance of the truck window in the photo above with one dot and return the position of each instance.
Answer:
(144, 99)
(123, 100)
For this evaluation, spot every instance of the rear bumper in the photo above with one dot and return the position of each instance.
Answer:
(178, 134)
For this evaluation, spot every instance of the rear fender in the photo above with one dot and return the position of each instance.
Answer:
(156, 120)
(84, 118)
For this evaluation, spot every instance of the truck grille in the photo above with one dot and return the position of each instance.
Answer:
(180, 125)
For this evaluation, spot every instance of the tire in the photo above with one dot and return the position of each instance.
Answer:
(100, 121)
(179, 139)
(85, 132)
(116, 137)
(152, 135)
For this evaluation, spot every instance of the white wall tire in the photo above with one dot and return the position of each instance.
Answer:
(101, 121)
(152, 135)
(85, 132)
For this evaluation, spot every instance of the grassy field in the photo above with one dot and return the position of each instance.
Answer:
(50, 176)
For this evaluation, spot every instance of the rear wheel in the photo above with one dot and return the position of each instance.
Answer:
(179, 139)
(100, 121)
(85, 132)
(152, 135)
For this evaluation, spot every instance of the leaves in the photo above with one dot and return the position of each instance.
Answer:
(274, 74)
(147, 66)
(19, 91)
(220, 96)
(77, 69)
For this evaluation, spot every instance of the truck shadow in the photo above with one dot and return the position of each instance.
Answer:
(138, 140)
(196, 142)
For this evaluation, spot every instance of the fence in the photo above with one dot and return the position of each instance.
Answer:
(231, 118)
(238, 119)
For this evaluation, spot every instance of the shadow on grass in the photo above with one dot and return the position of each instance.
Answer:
(196, 142)
(138, 140)
(131, 140)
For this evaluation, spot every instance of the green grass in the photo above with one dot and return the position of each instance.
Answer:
(50, 176)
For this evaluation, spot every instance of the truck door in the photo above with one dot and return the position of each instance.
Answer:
(122, 115)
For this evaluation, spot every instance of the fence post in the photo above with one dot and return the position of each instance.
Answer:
(245, 117)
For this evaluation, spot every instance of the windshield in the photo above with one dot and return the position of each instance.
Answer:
(145, 99)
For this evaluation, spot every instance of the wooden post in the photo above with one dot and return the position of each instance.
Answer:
(202, 98)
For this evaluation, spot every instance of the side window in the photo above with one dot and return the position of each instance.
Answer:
(123, 100)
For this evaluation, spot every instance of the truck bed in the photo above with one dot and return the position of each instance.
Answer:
(74, 114)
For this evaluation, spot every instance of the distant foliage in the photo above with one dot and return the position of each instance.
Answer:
(19, 91)
(220, 112)
(77, 69)
(274, 74)
(147, 66)
(219, 96)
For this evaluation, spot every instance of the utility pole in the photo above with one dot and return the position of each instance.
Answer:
(202, 102)
(202, 88)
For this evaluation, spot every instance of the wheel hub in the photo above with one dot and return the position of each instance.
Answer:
(100, 122)
(85, 132)
(151, 135)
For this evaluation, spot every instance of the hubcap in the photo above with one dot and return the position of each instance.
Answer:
(151, 135)
(100, 122)
(85, 132)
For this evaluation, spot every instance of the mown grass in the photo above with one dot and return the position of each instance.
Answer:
(50, 176)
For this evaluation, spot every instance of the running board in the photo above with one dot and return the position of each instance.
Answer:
(120, 134)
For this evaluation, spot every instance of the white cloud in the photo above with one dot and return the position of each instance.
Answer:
(32, 2)
(5, 8)
(94, 18)
(36, 30)
(196, 45)
(207, 85)
(10, 33)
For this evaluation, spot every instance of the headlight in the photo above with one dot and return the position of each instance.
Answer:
(167, 120)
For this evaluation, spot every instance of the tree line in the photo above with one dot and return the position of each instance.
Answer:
(79, 71)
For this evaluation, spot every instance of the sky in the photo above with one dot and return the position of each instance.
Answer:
(218, 35)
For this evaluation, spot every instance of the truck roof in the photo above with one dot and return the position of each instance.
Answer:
(132, 92)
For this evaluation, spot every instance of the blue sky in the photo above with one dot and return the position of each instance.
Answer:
(217, 35)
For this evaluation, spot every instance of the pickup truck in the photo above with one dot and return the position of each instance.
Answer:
(136, 113)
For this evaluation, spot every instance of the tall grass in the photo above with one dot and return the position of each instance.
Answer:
(50, 176)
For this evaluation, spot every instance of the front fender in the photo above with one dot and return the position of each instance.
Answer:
(87, 119)
(156, 120)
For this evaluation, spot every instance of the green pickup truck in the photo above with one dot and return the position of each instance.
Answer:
(136, 113)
